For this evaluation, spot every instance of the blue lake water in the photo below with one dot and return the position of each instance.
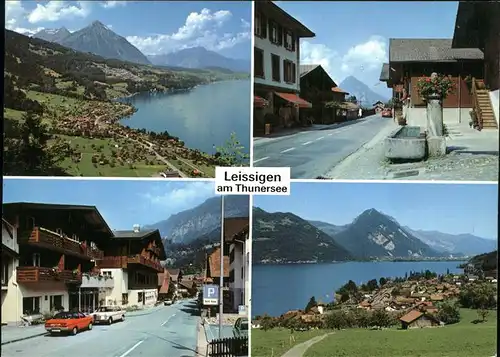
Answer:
(203, 118)
(277, 289)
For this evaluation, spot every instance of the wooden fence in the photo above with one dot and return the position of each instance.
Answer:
(228, 347)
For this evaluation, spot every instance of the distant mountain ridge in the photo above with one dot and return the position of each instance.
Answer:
(285, 237)
(202, 220)
(467, 244)
(97, 39)
(200, 57)
(362, 92)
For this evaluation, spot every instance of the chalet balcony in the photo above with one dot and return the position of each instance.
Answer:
(138, 259)
(97, 281)
(30, 275)
(155, 250)
(112, 262)
(51, 240)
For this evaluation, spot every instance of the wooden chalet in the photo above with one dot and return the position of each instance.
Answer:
(478, 26)
(57, 244)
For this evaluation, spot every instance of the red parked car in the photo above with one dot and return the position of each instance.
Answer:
(69, 322)
(387, 113)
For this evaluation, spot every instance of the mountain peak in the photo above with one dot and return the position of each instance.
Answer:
(97, 23)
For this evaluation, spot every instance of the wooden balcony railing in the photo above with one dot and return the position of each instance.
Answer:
(53, 240)
(155, 250)
(112, 262)
(138, 259)
(26, 275)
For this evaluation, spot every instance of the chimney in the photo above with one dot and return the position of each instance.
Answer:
(137, 228)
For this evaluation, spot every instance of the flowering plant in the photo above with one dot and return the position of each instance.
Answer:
(436, 84)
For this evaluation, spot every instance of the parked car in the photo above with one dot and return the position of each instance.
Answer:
(167, 302)
(387, 113)
(109, 314)
(240, 328)
(69, 322)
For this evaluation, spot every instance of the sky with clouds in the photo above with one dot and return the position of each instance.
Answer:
(153, 27)
(122, 203)
(352, 37)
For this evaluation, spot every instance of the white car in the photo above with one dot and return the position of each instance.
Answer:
(167, 302)
(108, 314)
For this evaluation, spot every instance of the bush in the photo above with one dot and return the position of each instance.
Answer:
(449, 312)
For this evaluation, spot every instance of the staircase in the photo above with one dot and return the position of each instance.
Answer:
(482, 106)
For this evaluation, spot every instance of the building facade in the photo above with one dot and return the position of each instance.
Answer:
(133, 261)
(10, 261)
(58, 245)
(236, 235)
(276, 67)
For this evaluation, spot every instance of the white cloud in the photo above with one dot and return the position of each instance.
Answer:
(113, 4)
(14, 12)
(59, 10)
(180, 198)
(27, 32)
(358, 60)
(245, 24)
(200, 29)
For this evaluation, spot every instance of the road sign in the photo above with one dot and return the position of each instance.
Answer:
(210, 295)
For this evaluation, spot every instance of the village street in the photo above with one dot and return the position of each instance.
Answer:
(313, 153)
(168, 331)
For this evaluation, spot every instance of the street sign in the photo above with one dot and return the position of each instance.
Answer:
(210, 295)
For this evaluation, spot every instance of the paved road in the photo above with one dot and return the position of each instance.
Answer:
(168, 332)
(310, 154)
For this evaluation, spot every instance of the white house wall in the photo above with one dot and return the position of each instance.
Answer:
(495, 103)
(418, 116)
(11, 297)
(269, 48)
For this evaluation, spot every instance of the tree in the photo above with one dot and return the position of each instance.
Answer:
(382, 281)
(312, 303)
(372, 285)
(449, 312)
(29, 154)
(381, 318)
(232, 153)
(352, 99)
(478, 296)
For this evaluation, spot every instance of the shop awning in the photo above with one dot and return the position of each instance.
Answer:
(294, 99)
(259, 102)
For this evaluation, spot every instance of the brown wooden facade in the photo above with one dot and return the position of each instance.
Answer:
(56, 242)
(408, 74)
(478, 26)
(139, 252)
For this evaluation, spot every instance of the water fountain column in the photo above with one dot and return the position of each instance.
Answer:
(435, 139)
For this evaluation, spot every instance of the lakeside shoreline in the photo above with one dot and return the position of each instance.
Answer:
(166, 92)
(363, 261)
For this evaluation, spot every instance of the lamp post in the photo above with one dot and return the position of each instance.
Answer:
(221, 287)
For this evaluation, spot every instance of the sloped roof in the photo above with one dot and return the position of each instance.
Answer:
(429, 50)
(234, 226)
(306, 68)
(339, 90)
(384, 73)
(411, 316)
(214, 264)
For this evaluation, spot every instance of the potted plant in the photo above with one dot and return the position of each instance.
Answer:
(435, 86)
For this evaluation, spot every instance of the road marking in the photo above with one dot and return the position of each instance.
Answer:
(320, 138)
(132, 348)
(330, 134)
(307, 143)
(287, 150)
(264, 158)
(163, 324)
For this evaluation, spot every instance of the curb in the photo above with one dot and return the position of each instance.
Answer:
(25, 338)
(143, 314)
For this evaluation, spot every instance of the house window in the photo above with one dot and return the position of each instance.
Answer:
(140, 296)
(275, 63)
(124, 299)
(289, 41)
(289, 71)
(56, 302)
(107, 274)
(5, 271)
(258, 56)
(36, 259)
(260, 23)
(275, 33)
(242, 273)
(30, 222)
(31, 305)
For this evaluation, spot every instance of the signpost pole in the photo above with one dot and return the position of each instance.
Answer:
(221, 291)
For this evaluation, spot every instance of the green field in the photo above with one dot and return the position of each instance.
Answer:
(464, 339)
(86, 168)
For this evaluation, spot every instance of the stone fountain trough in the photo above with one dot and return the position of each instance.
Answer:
(407, 143)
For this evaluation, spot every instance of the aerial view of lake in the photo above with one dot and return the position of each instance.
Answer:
(203, 118)
(277, 289)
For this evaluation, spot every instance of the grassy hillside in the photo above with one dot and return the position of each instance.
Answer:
(71, 96)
